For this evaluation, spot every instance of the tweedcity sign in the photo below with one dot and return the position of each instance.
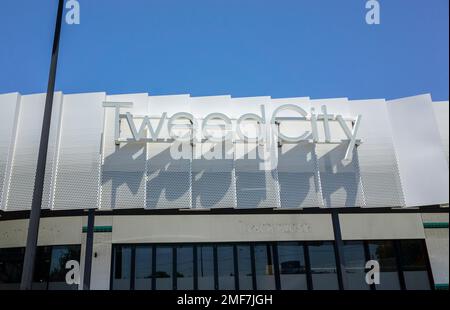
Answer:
(217, 128)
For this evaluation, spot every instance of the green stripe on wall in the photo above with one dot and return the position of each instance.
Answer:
(441, 287)
(99, 229)
(435, 225)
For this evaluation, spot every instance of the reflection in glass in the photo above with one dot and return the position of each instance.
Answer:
(245, 267)
(143, 268)
(11, 263)
(122, 268)
(384, 253)
(265, 278)
(292, 266)
(185, 268)
(414, 264)
(323, 266)
(225, 264)
(164, 268)
(205, 267)
(354, 266)
(60, 256)
(42, 268)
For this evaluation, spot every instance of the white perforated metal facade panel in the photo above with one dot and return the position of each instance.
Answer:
(441, 113)
(52, 151)
(340, 180)
(168, 175)
(77, 181)
(213, 173)
(86, 169)
(9, 115)
(376, 155)
(123, 166)
(213, 180)
(298, 176)
(26, 147)
(168, 180)
(255, 187)
(420, 154)
(256, 175)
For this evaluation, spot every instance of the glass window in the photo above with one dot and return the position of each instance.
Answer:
(384, 253)
(143, 268)
(225, 264)
(60, 256)
(164, 268)
(11, 263)
(42, 268)
(122, 268)
(291, 259)
(205, 267)
(50, 267)
(414, 264)
(354, 266)
(265, 275)
(185, 268)
(245, 267)
(323, 266)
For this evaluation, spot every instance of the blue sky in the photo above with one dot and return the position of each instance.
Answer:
(280, 48)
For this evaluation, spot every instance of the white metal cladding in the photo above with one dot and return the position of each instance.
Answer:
(213, 173)
(441, 112)
(26, 145)
(123, 166)
(255, 187)
(298, 176)
(168, 178)
(298, 179)
(376, 156)
(52, 150)
(213, 180)
(402, 160)
(9, 104)
(420, 153)
(77, 175)
(340, 181)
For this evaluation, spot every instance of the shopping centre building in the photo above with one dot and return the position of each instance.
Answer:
(229, 193)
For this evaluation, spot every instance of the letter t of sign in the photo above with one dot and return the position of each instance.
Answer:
(326, 125)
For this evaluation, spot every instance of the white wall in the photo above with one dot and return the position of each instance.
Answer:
(215, 228)
(422, 162)
(381, 226)
(102, 250)
(403, 160)
(437, 241)
(52, 231)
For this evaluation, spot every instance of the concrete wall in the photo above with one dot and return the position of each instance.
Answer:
(52, 231)
(381, 226)
(216, 228)
(437, 241)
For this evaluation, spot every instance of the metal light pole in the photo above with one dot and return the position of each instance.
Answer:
(35, 214)
(89, 250)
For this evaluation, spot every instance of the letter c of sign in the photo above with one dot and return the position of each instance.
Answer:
(300, 111)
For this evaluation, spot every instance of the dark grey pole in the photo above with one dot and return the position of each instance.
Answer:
(339, 248)
(89, 250)
(35, 213)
